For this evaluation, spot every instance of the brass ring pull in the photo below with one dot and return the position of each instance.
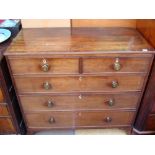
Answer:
(111, 102)
(117, 65)
(51, 120)
(47, 85)
(114, 84)
(50, 104)
(108, 119)
(45, 66)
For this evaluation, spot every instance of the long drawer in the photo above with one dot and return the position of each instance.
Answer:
(79, 101)
(79, 119)
(71, 65)
(76, 84)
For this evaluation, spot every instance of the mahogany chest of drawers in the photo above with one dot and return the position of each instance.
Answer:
(79, 77)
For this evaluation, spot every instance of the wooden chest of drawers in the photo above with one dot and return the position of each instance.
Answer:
(80, 77)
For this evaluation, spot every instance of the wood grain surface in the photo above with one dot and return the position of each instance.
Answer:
(36, 103)
(59, 40)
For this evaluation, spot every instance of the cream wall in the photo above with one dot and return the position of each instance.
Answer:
(33, 23)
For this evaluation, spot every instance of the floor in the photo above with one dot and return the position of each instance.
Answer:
(84, 132)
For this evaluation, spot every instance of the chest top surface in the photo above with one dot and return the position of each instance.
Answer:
(78, 40)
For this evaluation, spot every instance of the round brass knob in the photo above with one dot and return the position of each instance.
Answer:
(47, 85)
(80, 78)
(117, 65)
(114, 84)
(44, 65)
(80, 97)
(51, 120)
(108, 119)
(50, 104)
(111, 102)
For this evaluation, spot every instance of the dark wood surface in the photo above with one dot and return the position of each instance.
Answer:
(59, 40)
(150, 123)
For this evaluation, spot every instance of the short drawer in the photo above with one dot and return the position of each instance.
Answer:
(6, 126)
(79, 101)
(101, 65)
(76, 84)
(150, 122)
(1, 96)
(41, 65)
(153, 108)
(50, 120)
(104, 118)
(3, 110)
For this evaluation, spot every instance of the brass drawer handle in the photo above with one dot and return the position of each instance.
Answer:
(80, 97)
(111, 102)
(114, 84)
(50, 104)
(45, 66)
(47, 85)
(117, 65)
(80, 78)
(108, 119)
(52, 120)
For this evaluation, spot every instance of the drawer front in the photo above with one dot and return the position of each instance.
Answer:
(150, 122)
(38, 65)
(105, 118)
(6, 126)
(3, 110)
(76, 84)
(1, 96)
(50, 120)
(100, 65)
(81, 101)
(153, 108)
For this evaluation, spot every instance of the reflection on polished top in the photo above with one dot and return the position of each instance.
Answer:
(74, 40)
